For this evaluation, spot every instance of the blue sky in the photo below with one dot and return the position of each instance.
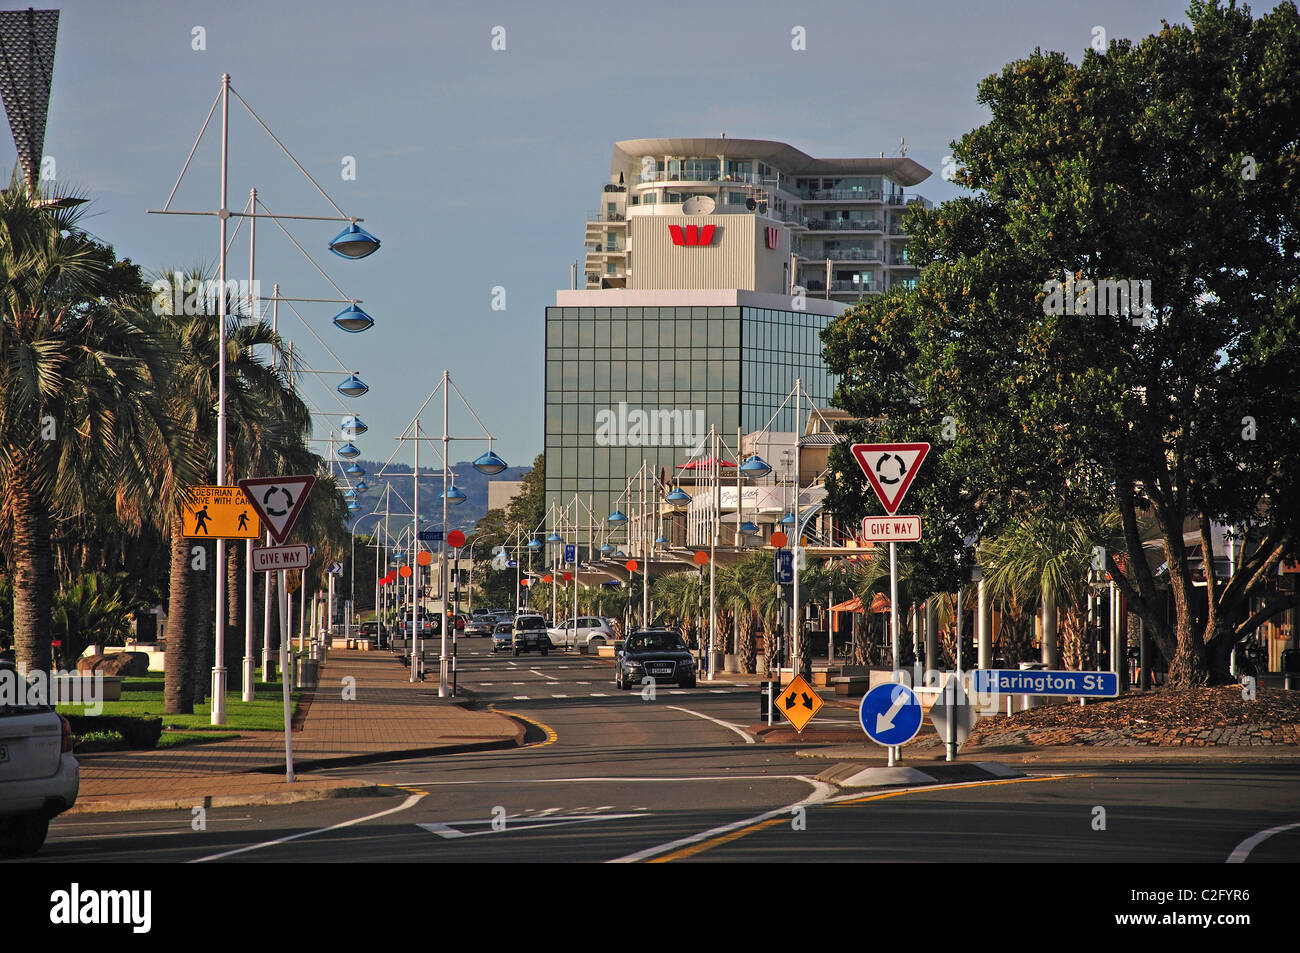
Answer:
(476, 168)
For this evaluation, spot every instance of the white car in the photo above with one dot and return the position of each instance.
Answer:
(39, 777)
(589, 632)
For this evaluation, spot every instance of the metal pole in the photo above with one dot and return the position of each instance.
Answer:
(796, 613)
(284, 691)
(951, 754)
(250, 651)
(267, 661)
(893, 602)
(713, 546)
(645, 550)
(414, 563)
(442, 569)
(218, 658)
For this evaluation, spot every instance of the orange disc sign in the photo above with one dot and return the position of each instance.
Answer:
(523, 582)
(405, 571)
(779, 539)
(568, 577)
(547, 577)
(424, 557)
(631, 565)
(701, 557)
(456, 538)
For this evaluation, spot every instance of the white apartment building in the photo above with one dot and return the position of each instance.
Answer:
(757, 215)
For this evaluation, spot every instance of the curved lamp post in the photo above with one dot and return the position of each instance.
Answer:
(354, 242)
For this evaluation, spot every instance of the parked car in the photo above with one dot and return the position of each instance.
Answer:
(589, 632)
(369, 630)
(478, 625)
(39, 777)
(658, 653)
(529, 634)
(430, 624)
(503, 637)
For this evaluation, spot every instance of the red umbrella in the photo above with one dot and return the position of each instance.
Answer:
(703, 464)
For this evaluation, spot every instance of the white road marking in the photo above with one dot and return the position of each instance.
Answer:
(410, 801)
(676, 691)
(1240, 852)
(749, 739)
(450, 832)
(543, 674)
(584, 683)
(521, 698)
(559, 696)
(599, 695)
(518, 683)
(821, 790)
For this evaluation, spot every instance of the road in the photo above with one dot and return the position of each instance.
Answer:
(610, 776)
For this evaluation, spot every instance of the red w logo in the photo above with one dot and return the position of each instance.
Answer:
(692, 234)
(773, 237)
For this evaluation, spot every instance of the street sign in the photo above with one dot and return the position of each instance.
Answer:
(512, 564)
(278, 500)
(891, 529)
(430, 535)
(952, 715)
(570, 553)
(1043, 682)
(336, 569)
(890, 714)
(271, 558)
(219, 512)
(799, 702)
(783, 567)
(890, 468)
(456, 539)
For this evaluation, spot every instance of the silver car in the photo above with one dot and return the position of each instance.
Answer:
(39, 777)
(584, 632)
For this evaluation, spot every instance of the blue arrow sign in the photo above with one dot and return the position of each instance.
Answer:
(783, 566)
(570, 553)
(335, 569)
(512, 564)
(1039, 682)
(890, 714)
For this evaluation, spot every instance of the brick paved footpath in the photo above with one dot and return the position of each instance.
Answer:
(390, 718)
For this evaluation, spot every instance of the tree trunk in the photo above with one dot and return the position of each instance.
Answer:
(33, 578)
(178, 661)
(748, 648)
(1187, 669)
(234, 647)
(202, 611)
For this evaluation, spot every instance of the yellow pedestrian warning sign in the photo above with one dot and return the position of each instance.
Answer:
(220, 512)
(799, 702)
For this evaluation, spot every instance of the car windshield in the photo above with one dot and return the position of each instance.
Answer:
(654, 641)
(535, 622)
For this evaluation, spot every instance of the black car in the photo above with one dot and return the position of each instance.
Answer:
(657, 653)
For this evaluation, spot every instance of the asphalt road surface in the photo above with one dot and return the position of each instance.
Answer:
(613, 776)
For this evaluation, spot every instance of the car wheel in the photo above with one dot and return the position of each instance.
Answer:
(544, 651)
(24, 835)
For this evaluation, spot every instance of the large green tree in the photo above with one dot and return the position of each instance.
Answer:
(83, 425)
(1174, 161)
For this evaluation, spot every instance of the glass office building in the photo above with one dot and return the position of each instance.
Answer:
(684, 369)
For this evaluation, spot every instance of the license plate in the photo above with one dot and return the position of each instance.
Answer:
(4, 754)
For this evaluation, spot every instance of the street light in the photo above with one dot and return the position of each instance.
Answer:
(349, 451)
(353, 320)
(678, 498)
(353, 426)
(353, 386)
(755, 468)
(354, 242)
(489, 464)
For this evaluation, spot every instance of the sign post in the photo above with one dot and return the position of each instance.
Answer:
(890, 468)
(278, 501)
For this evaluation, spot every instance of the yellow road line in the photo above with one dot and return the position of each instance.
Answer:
(551, 736)
(773, 821)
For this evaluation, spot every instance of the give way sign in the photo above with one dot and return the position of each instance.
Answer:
(890, 468)
(278, 500)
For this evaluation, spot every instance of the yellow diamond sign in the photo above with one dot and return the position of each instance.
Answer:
(799, 702)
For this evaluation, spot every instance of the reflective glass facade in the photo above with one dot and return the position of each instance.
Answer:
(683, 368)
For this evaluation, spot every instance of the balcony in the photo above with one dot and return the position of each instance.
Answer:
(608, 248)
(599, 216)
(840, 195)
(840, 225)
(851, 254)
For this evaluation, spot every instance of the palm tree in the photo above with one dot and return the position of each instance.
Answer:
(266, 424)
(82, 419)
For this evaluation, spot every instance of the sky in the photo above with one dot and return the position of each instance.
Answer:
(476, 167)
